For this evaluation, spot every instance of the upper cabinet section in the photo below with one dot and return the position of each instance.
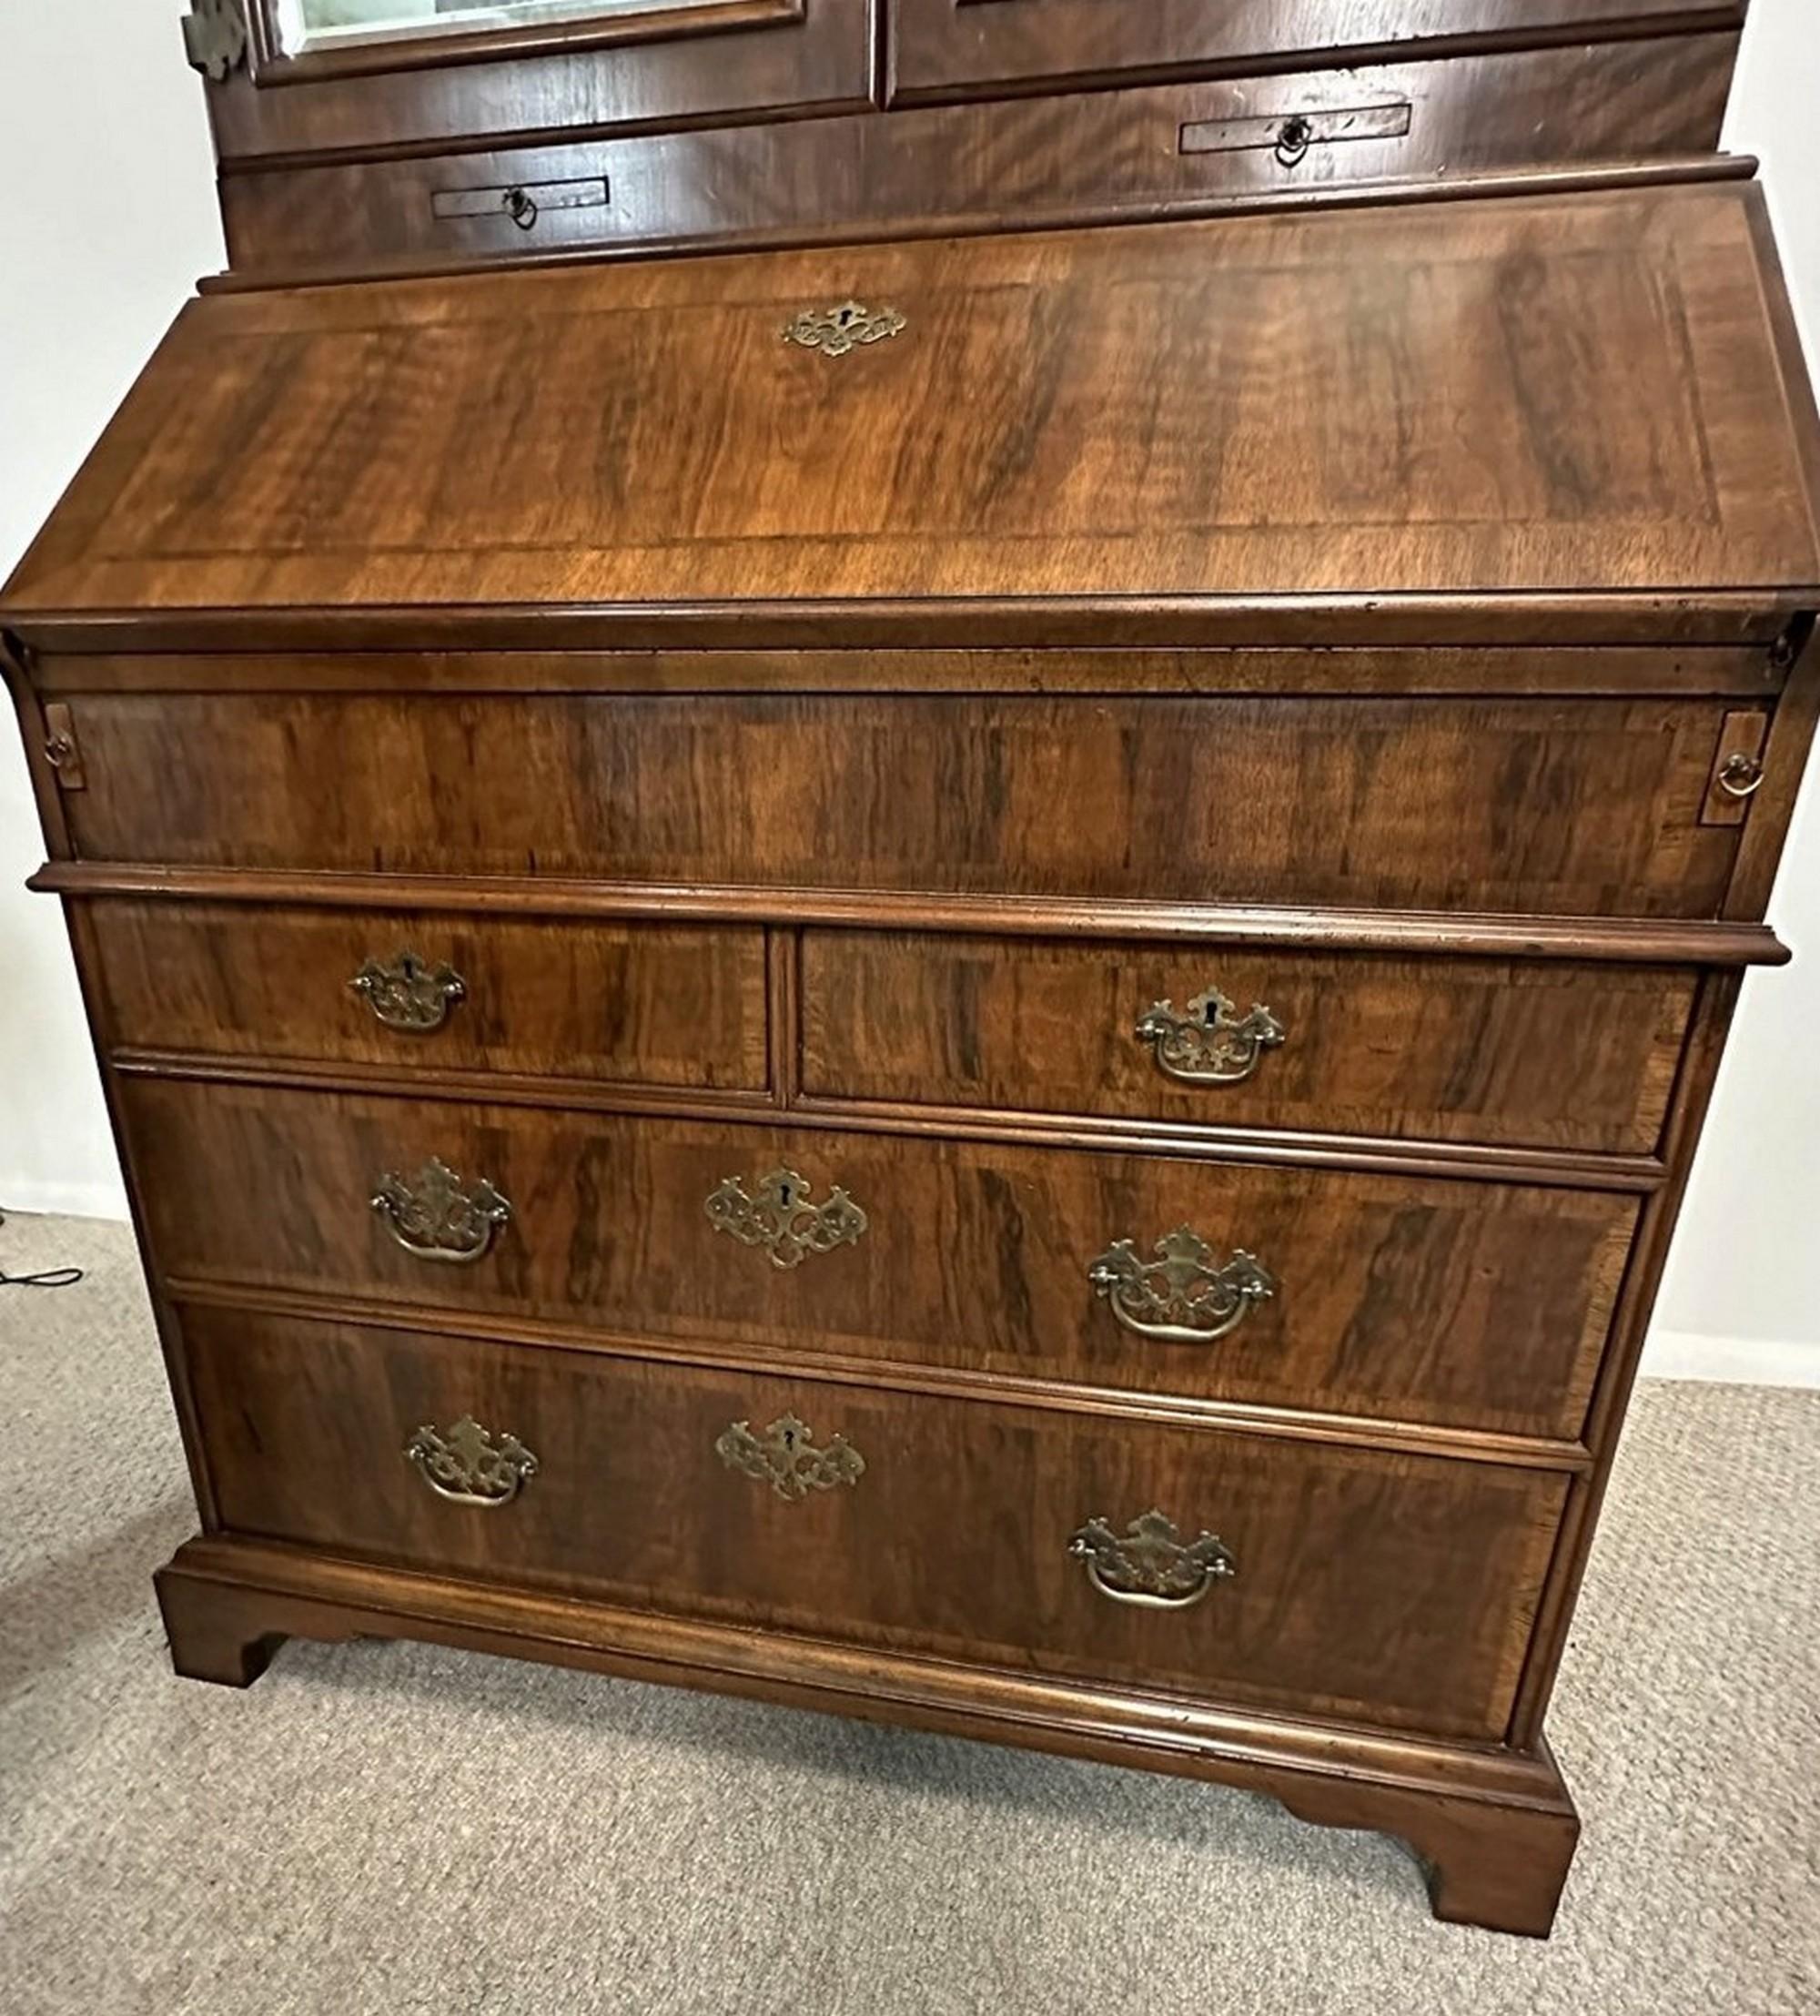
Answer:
(309, 77)
(1574, 395)
(989, 48)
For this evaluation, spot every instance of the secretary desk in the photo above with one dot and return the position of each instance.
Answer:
(910, 840)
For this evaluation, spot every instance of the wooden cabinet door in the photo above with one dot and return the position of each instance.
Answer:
(368, 85)
(982, 48)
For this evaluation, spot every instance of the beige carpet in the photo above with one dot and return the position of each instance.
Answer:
(391, 1829)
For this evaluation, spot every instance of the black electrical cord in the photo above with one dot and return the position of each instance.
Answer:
(52, 1277)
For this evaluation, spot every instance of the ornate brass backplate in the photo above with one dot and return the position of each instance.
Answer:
(469, 1466)
(1185, 1295)
(215, 36)
(406, 992)
(781, 1217)
(1149, 1563)
(785, 1457)
(1212, 1043)
(435, 1216)
(836, 331)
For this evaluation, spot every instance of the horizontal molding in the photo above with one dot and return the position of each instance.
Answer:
(1690, 1355)
(1627, 940)
(1480, 673)
(430, 1082)
(1589, 616)
(897, 1375)
(1169, 1732)
(102, 1197)
(1365, 1154)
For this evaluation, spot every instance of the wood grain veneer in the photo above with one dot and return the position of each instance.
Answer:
(1459, 1303)
(1387, 1588)
(1588, 808)
(818, 762)
(1465, 1050)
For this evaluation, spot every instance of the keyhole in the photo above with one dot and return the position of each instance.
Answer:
(1293, 137)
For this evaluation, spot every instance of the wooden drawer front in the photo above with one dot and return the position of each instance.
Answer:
(641, 1003)
(1524, 1052)
(1589, 806)
(1385, 1588)
(1470, 1304)
(940, 49)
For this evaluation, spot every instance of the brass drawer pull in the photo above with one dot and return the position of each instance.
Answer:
(1185, 1295)
(469, 1466)
(782, 1219)
(1212, 1043)
(1740, 774)
(785, 1457)
(434, 1217)
(1150, 1564)
(407, 993)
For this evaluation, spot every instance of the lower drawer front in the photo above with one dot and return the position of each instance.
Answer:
(1384, 1588)
(1461, 1304)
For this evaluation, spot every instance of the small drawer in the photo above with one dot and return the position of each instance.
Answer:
(1530, 1053)
(636, 1004)
(1379, 1586)
(1459, 1304)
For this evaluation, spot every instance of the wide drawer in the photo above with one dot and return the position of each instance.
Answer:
(1521, 1052)
(1588, 807)
(649, 1004)
(1459, 1303)
(1386, 1587)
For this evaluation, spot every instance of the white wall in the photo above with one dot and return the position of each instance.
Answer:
(108, 217)
(1742, 1296)
(102, 112)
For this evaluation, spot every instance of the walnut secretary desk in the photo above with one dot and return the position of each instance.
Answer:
(910, 838)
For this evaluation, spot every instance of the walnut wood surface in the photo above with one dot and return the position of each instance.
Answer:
(1393, 1589)
(644, 1004)
(1140, 422)
(1493, 1833)
(938, 49)
(989, 167)
(1464, 1049)
(1465, 1304)
(1589, 808)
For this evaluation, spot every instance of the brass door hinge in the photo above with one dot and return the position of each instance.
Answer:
(63, 752)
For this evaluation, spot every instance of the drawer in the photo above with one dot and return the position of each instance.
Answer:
(938, 50)
(1588, 807)
(646, 1004)
(1457, 1304)
(1536, 1053)
(1386, 1587)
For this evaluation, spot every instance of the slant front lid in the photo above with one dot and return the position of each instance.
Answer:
(1545, 395)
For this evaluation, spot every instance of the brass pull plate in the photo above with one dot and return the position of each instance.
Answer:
(781, 1217)
(1150, 1564)
(785, 1456)
(1210, 1043)
(1290, 135)
(406, 992)
(433, 1215)
(1184, 1296)
(467, 1465)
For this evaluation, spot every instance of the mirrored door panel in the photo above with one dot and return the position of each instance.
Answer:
(359, 76)
(311, 26)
